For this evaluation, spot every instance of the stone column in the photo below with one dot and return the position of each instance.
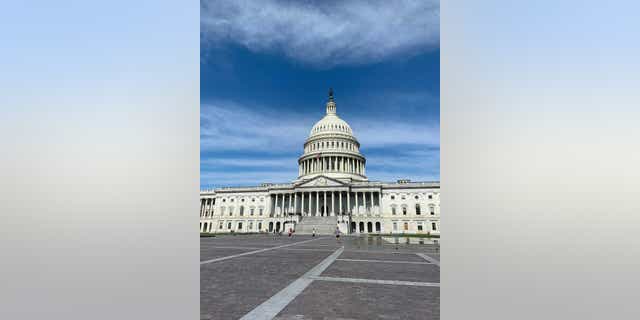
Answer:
(340, 202)
(348, 202)
(287, 202)
(333, 205)
(317, 202)
(357, 206)
(371, 206)
(302, 204)
(324, 199)
(295, 203)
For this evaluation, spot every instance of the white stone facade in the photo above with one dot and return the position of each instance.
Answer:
(331, 182)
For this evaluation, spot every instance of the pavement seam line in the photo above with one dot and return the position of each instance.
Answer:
(270, 308)
(255, 251)
(383, 261)
(432, 260)
(376, 281)
(233, 247)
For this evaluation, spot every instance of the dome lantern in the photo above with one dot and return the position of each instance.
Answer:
(331, 105)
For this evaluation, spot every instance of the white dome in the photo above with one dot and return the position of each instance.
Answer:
(332, 150)
(331, 123)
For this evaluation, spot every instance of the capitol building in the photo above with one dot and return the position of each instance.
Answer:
(331, 191)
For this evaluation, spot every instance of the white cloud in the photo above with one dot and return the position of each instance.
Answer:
(248, 162)
(226, 178)
(227, 126)
(272, 141)
(326, 34)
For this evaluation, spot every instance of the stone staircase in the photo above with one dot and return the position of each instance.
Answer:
(323, 225)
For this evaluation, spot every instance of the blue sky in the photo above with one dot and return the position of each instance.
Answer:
(265, 71)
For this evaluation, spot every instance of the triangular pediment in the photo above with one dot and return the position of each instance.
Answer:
(321, 181)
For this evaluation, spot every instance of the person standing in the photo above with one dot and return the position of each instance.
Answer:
(338, 234)
(314, 232)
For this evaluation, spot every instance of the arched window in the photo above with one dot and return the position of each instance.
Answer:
(417, 208)
(404, 211)
(241, 211)
(393, 210)
(432, 210)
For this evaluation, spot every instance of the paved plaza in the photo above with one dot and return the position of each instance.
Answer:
(303, 277)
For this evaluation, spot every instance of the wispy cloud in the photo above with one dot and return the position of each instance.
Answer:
(227, 126)
(327, 33)
(269, 143)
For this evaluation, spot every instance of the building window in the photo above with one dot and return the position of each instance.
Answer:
(229, 226)
(253, 200)
(220, 226)
(260, 211)
(406, 226)
(242, 200)
(393, 197)
(404, 211)
(416, 197)
(432, 211)
(393, 211)
(239, 225)
(430, 196)
(433, 226)
(251, 213)
(395, 226)
(250, 226)
(402, 197)
(230, 211)
(419, 226)
(241, 211)
(224, 200)
(417, 209)
(259, 226)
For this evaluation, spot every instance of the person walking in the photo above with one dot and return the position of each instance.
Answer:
(314, 232)
(338, 234)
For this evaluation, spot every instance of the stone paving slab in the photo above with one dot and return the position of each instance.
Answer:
(381, 256)
(217, 253)
(384, 271)
(231, 288)
(327, 300)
